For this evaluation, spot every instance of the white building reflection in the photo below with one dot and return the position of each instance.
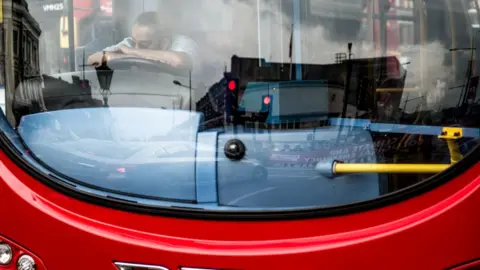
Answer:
(21, 59)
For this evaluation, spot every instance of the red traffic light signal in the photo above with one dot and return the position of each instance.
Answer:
(232, 85)
(267, 100)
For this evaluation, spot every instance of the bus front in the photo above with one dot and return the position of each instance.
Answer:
(233, 134)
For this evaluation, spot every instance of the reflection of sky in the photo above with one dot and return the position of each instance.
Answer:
(125, 124)
(144, 123)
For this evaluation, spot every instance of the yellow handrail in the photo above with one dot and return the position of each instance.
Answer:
(449, 134)
(344, 168)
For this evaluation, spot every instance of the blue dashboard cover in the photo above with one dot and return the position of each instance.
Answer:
(114, 149)
(290, 161)
(159, 154)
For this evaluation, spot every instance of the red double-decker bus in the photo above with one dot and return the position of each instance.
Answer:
(213, 134)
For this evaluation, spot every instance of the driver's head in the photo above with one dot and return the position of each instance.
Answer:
(144, 31)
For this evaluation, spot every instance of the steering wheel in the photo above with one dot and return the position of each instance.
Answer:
(127, 63)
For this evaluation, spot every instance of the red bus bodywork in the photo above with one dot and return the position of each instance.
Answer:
(437, 229)
(434, 230)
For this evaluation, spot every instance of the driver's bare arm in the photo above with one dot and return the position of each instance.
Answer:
(96, 58)
(172, 58)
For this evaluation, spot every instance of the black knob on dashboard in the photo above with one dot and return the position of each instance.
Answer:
(235, 149)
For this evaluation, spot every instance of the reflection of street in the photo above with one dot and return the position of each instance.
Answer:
(289, 187)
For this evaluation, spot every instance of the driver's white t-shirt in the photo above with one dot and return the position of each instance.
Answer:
(179, 43)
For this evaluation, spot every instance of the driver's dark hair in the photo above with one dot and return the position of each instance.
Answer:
(149, 18)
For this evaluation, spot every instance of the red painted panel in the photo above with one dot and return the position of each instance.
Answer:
(432, 231)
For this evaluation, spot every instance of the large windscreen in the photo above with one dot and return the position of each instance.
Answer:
(240, 104)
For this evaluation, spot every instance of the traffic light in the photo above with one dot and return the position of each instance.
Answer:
(231, 86)
(266, 103)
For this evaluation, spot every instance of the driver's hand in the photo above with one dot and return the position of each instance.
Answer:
(124, 49)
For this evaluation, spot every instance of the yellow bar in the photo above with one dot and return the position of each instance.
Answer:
(455, 154)
(342, 168)
(451, 135)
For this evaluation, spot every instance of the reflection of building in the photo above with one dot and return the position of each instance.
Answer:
(385, 69)
(22, 74)
(212, 105)
(252, 73)
(320, 92)
(257, 70)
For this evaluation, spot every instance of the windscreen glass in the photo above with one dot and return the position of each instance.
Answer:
(240, 104)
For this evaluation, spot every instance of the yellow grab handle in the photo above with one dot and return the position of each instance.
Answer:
(340, 168)
(334, 168)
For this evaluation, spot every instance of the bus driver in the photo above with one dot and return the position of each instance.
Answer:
(176, 51)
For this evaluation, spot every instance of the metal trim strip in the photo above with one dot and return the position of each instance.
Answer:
(127, 266)
(206, 172)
